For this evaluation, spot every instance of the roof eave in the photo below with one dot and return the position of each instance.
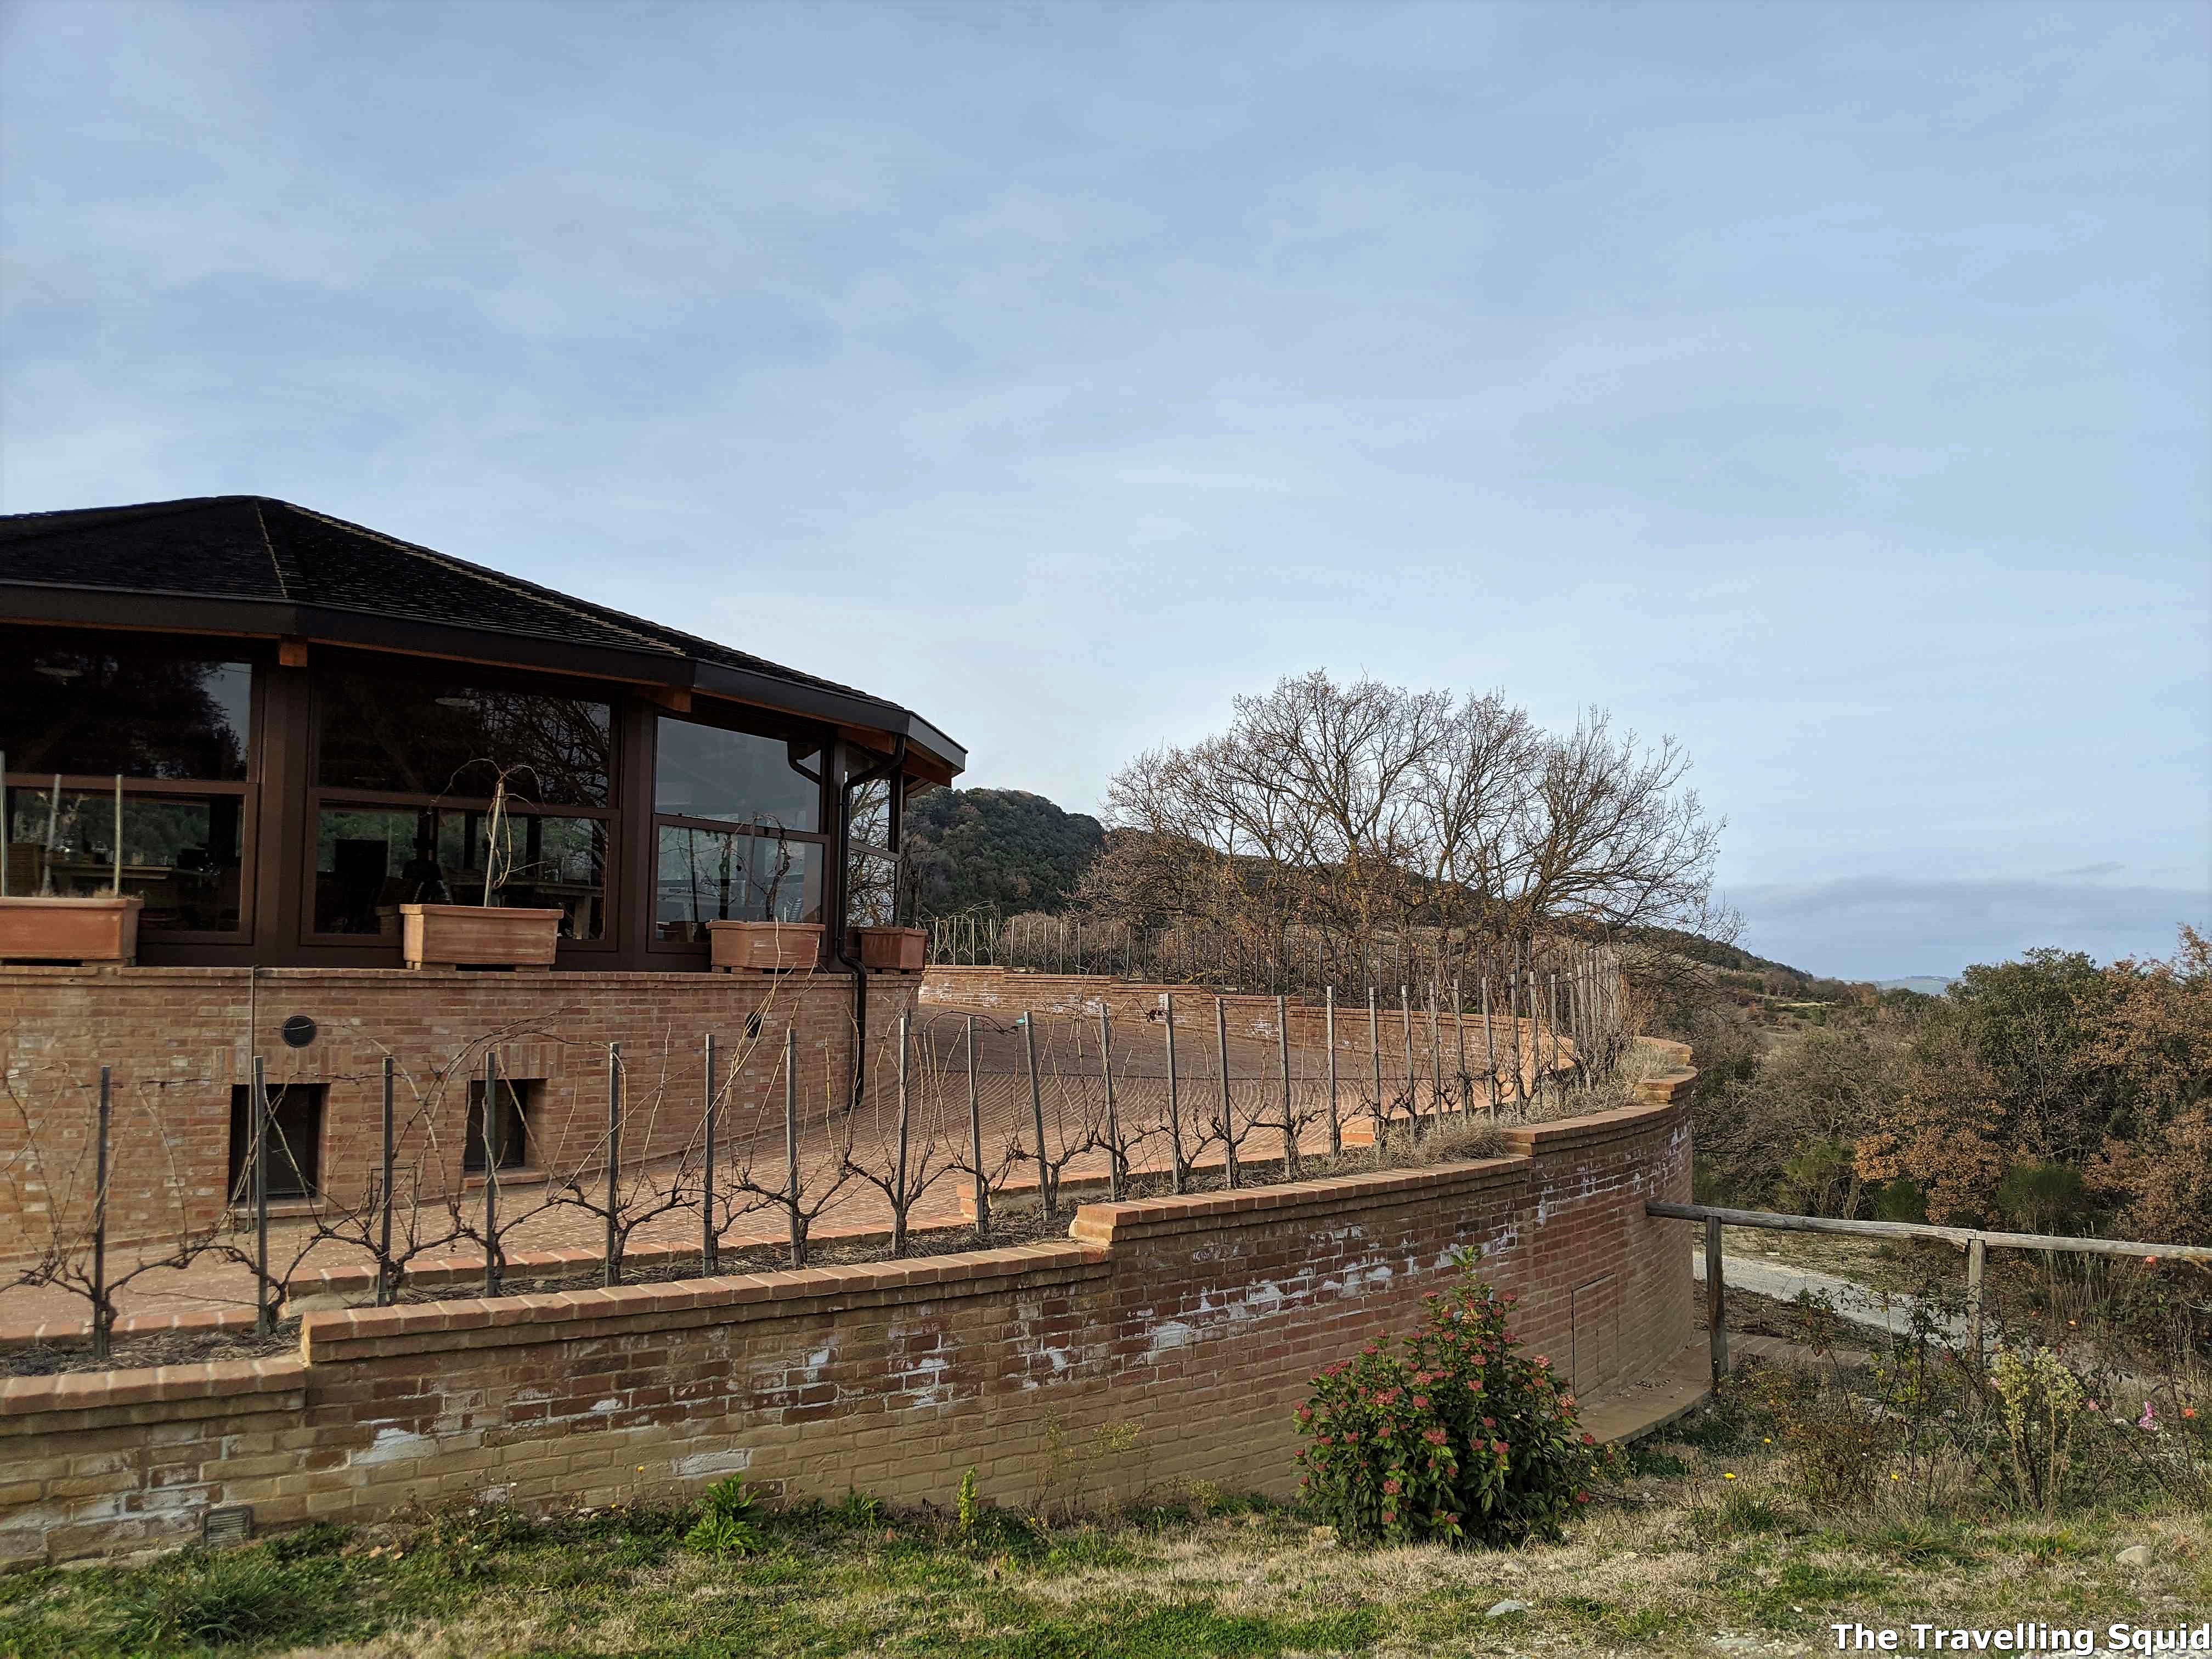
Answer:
(189, 613)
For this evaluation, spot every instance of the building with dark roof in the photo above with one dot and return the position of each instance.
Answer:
(314, 724)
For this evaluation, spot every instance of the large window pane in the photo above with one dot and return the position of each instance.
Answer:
(714, 875)
(180, 853)
(427, 737)
(704, 772)
(370, 860)
(139, 712)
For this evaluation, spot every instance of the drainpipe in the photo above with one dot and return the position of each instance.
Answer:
(889, 768)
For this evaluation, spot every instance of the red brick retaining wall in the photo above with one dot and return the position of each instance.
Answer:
(179, 1039)
(1197, 1321)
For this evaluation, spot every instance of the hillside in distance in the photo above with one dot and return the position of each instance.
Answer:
(1018, 852)
(1007, 847)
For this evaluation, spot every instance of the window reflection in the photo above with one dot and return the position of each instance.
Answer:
(432, 737)
(704, 772)
(369, 861)
(871, 814)
(143, 713)
(872, 900)
(180, 853)
(714, 875)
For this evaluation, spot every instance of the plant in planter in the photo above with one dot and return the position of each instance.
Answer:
(905, 949)
(882, 885)
(770, 946)
(48, 926)
(485, 934)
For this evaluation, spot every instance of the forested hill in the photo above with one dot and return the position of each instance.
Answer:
(1002, 846)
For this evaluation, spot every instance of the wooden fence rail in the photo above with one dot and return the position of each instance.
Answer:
(1974, 1241)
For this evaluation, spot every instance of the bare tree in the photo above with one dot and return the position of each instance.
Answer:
(1361, 834)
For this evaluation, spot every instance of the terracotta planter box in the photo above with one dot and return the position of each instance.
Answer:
(69, 929)
(904, 950)
(765, 947)
(470, 935)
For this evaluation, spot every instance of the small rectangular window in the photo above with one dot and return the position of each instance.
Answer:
(872, 898)
(510, 1127)
(295, 1140)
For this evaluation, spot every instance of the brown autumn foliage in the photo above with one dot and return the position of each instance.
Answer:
(2045, 1090)
(2047, 1094)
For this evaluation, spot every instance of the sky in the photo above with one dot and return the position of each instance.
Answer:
(1829, 386)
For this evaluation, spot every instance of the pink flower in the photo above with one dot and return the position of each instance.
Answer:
(1421, 1402)
(2149, 1418)
(1434, 1437)
(1391, 1487)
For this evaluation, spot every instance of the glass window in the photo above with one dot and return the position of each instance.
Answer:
(872, 898)
(436, 737)
(295, 1140)
(140, 712)
(871, 814)
(371, 859)
(180, 853)
(704, 772)
(716, 875)
(510, 1127)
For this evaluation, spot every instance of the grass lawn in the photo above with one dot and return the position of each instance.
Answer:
(1682, 1559)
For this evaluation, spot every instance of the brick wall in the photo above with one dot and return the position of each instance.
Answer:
(1197, 1320)
(179, 1039)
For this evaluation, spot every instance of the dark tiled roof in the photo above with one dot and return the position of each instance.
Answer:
(250, 547)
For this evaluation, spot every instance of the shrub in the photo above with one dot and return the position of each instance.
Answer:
(1839, 1440)
(1456, 1439)
(2043, 1400)
(728, 1521)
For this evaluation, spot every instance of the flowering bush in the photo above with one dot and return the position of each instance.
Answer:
(1455, 1439)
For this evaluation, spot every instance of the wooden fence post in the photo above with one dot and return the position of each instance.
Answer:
(1975, 1254)
(1716, 1300)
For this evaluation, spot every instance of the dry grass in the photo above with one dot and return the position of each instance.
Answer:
(1709, 1548)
